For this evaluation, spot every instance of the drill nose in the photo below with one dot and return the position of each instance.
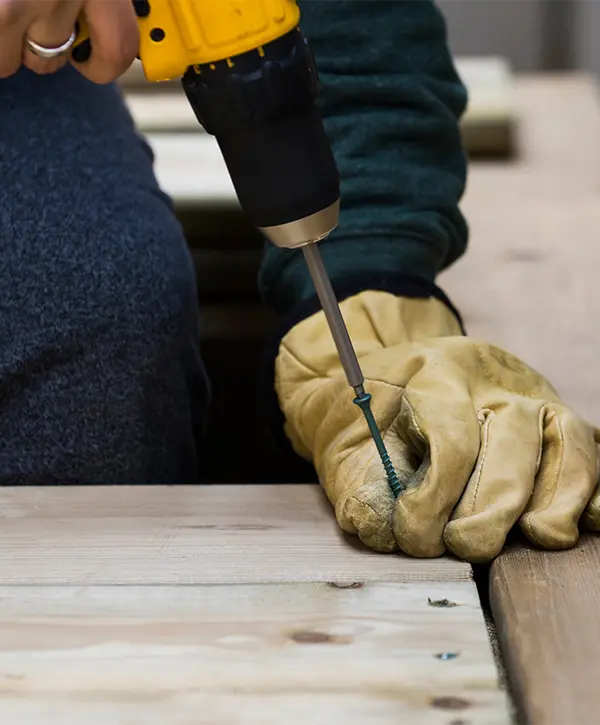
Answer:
(262, 111)
(307, 230)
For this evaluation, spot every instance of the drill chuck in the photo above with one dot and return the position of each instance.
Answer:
(261, 108)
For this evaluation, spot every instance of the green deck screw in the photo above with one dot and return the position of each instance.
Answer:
(364, 403)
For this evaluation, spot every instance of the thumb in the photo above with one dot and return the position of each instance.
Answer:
(367, 507)
(439, 417)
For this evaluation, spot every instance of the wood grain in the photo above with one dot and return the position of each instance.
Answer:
(547, 609)
(255, 654)
(227, 605)
(530, 284)
(189, 535)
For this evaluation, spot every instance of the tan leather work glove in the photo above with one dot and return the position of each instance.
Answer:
(479, 438)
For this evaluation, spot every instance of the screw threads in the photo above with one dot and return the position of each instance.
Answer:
(391, 474)
(364, 403)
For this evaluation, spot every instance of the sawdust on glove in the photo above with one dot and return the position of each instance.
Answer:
(481, 440)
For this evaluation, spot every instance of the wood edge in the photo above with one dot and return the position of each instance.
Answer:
(500, 596)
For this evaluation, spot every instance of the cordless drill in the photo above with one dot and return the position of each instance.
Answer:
(250, 78)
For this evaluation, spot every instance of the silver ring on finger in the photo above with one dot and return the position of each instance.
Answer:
(51, 53)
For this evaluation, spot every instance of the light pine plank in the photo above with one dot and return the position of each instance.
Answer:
(252, 654)
(190, 168)
(547, 609)
(189, 535)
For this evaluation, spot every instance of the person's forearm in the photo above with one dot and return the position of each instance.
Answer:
(391, 103)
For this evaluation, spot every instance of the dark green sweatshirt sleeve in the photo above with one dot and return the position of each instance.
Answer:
(391, 101)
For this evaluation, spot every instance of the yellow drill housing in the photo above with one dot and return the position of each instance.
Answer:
(177, 34)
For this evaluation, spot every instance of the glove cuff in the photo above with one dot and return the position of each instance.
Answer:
(272, 419)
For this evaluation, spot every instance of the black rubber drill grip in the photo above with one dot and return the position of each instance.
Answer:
(261, 108)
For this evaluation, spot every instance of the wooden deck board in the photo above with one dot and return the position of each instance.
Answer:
(547, 610)
(246, 654)
(189, 535)
(227, 605)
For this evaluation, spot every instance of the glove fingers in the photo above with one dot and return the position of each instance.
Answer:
(439, 418)
(566, 480)
(501, 484)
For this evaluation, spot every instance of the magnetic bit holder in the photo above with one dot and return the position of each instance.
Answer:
(348, 357)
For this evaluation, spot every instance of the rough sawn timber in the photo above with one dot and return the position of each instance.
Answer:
(547, 610)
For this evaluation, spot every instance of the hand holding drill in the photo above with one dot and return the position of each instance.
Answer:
(29, 26)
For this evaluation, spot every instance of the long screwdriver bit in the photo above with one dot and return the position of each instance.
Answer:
(347, 355)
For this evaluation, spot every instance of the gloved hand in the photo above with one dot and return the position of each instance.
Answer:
(479, 438)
